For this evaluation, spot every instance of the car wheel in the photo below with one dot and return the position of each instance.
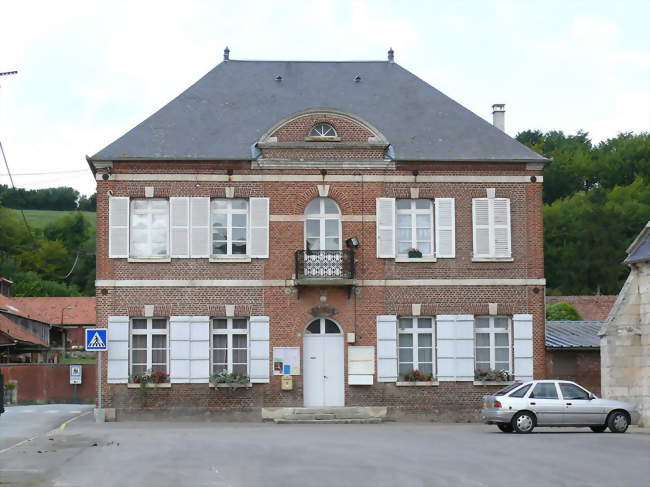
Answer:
(618, 422)
(598, 429)
(523, 422)
(505, 427)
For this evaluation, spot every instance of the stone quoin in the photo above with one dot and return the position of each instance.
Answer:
(347, 212)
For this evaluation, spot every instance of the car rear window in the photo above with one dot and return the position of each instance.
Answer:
(521, 392)
(506, 390)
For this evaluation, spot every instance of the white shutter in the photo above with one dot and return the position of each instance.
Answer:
(118, 350)
(387, 348)
(189, 349)
(445, 228)
(118, 227)
(385, 228)
(481, 224)
(259, 228)
(179, 209)
(200, 227)
(501, 215)
(200, 349)
(523, 347)
(259, 349)
(455, 347)
(179, 348)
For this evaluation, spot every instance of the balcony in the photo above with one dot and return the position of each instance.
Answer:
(325, 267)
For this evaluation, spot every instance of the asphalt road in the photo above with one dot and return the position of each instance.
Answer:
(20, 423)
(391, 454)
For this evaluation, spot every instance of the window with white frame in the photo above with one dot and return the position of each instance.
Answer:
(414, 226)
(230, 345)
(415, 345)
(148, 345)
(322, 130)
(492, 343)
(229, 226)
(149, 233)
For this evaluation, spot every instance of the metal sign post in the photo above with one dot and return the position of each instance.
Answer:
(96, 341)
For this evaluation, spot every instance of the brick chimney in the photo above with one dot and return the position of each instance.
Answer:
(499, 116)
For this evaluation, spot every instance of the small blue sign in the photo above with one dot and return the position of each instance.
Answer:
(287, 369)
(96, 339)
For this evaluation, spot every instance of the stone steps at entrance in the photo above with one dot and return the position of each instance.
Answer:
(340, 415)
(328, 421)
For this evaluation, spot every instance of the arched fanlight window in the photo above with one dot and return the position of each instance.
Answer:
(323, 225)
(322, 130)
(323, 326)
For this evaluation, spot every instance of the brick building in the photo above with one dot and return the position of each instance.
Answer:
(263, 223)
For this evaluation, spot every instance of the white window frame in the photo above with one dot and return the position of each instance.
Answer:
(149, 332)
(415, 331)
(413, 212)
(229, 212)
(314, 133)
(229, 331)
(322, 217)
(149, 211)
(492, 331)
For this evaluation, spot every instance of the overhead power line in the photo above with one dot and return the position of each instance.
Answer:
(45, 173)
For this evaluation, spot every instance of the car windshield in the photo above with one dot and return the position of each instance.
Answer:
(507, 389)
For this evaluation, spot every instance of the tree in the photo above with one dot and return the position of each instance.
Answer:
(562, 312)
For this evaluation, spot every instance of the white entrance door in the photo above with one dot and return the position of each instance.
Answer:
(323, 359)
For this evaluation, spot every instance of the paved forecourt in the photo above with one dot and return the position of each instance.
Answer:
(19, 423)
(389, 454)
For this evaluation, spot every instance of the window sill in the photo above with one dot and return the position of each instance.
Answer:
(492, 259)
(152, 260)
(428, 383)
(164, 385)
(323, 139)
(493, 382)
(416, 259)
(236, 386)
(233, 260)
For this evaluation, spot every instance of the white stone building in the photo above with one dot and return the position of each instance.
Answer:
(625, 339)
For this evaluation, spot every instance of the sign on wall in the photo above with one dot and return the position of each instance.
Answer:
(95, 339)
(286, 360)
(75, 374)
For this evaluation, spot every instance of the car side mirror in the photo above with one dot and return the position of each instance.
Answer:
(592, 396)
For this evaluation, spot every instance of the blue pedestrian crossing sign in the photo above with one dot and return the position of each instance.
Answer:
(96, 339)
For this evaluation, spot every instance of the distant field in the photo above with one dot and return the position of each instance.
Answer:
(40, 218)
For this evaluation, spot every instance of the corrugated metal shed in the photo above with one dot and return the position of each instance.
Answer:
(224, 113)
(573, 334)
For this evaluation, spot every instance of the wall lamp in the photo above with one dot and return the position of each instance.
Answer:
(352, 242)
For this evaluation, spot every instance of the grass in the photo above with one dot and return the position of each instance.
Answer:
(40, 218)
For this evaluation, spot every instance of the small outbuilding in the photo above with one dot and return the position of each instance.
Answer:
(573, 352)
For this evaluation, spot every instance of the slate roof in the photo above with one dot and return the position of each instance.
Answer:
(639, 251)
(224, 113)
(573, 334)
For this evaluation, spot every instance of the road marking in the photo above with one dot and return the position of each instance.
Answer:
(65, 423)
(61, 427)
(53, 411)
(26, 411)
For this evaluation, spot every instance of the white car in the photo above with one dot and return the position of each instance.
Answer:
(522, 406)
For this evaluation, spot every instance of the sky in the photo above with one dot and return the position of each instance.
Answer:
(89, 71)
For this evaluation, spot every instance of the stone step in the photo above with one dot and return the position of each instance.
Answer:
(328, 421)
(323, 413)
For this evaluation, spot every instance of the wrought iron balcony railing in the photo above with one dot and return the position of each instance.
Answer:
(324, 264)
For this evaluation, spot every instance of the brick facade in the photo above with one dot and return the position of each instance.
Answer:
(289, 313)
